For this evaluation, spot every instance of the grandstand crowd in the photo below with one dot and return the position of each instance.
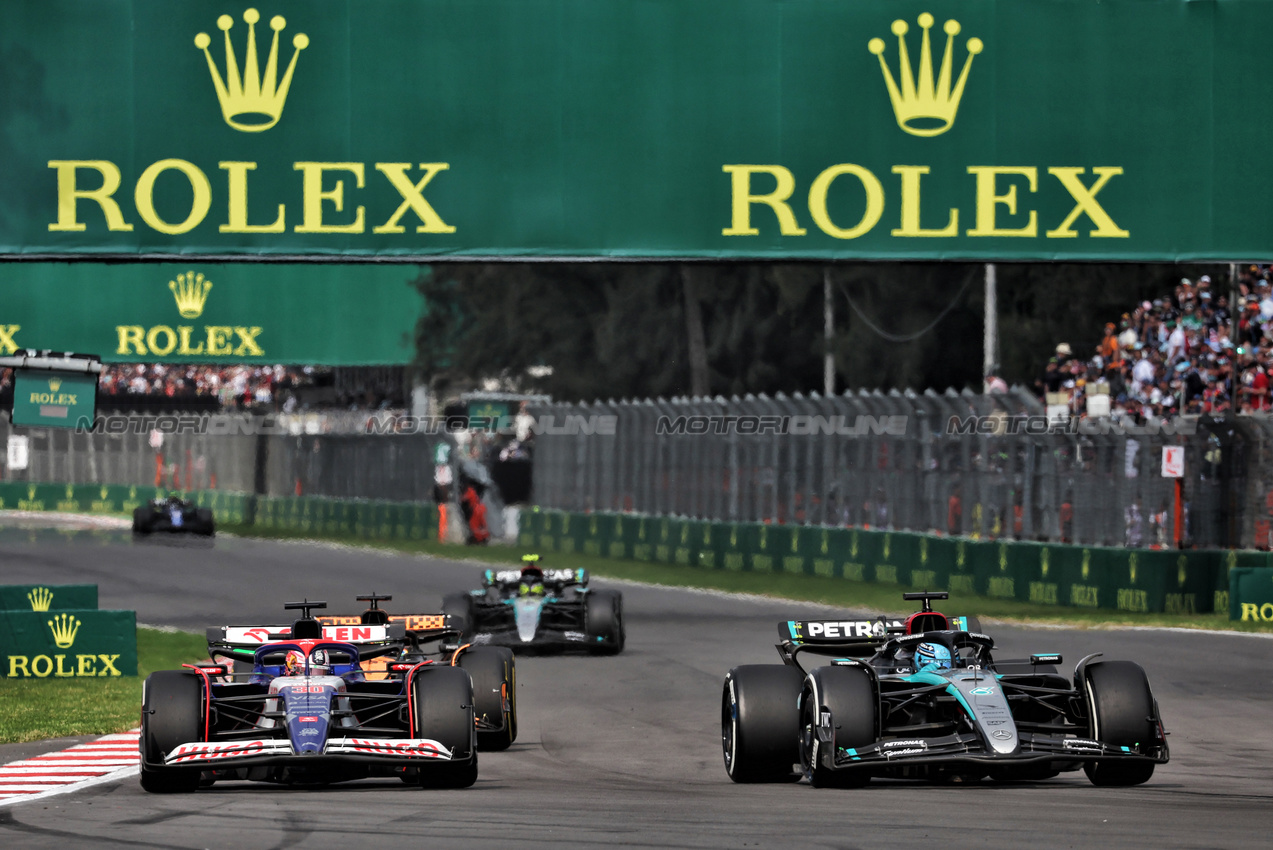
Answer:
(235, 387)
(1183, 354)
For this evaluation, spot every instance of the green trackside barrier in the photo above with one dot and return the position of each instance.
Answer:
(386, 523)
(767, 547)
(68, 644)
(1251, 594)
(662, 539)
(528, 528)
(943, 555)
(713, 543)
(48, 597)
(898, 553)
(854, 565)
(740, 543)
(570, 529)
(689, 542)
(641, 535)
(799, 544)
(927, 571)
(596, 538)
(546, 536)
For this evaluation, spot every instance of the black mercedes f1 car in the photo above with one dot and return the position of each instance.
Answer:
(540, 610)
(926, 699)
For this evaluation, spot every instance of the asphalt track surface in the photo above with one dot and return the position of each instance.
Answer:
(625, 751)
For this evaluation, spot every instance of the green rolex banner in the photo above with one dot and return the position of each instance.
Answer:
(68, 644)
(47, 597)
(882, 129)
(197, 312)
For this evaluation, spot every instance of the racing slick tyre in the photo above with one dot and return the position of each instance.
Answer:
(1121, 708)
(141, 520)
(494, 675)
(760, 723)
(460, 607)
(170, 717)
(848, 696)
(442, 710)
(603, 619)
(203, 522)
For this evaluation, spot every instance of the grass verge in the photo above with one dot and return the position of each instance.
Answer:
(35, 709)
(874, 597)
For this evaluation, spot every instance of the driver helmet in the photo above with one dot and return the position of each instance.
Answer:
(532, 581)
(295, 663)
(931, 656)
(319, 663)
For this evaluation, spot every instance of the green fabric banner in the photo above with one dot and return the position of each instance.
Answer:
(885, 129)
(68, 644)
(48, 597)
(198, 312)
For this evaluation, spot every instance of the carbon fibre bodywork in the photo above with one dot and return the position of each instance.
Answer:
(866, 710)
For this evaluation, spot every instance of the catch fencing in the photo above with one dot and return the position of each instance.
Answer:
(284, 456)
(979, 466)
(982, 466)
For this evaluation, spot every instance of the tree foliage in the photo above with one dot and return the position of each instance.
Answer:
(618, 330)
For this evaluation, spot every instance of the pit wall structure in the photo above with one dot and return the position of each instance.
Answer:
(1134, 580)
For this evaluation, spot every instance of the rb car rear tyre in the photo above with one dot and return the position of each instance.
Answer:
(494, 675)
(442, 709)
(604, 621)
(848, 694)
(760, 723)
(172, 709)
(1121, 706)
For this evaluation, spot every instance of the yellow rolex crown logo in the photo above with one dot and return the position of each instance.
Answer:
(64, 627)
(55, 384)
(251, 102)
(190, 291)
(924, 107)
(40, 598)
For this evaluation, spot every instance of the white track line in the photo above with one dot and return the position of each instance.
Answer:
(105, 759)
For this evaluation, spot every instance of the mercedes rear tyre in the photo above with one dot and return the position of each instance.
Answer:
(172, 705)
(141, 520)
(760, 723)
(203, 522)
(494, 694)
(1122, 712)
(460, 607)
(841, 702)
(603, 618)
(442, 710)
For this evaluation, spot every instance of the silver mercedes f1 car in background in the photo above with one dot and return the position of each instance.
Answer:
(540, 610)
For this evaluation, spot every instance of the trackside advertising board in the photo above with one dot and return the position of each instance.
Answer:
(199, 312)
(47, 597)
(68, 644)
(885, 129)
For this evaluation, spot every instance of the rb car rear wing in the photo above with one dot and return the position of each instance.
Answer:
(239, 643)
